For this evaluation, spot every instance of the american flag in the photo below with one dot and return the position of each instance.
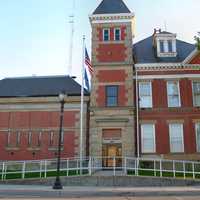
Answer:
(88, 62)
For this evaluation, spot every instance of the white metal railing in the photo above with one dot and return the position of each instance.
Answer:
(91, 165)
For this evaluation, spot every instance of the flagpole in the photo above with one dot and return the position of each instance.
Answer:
(82, 100)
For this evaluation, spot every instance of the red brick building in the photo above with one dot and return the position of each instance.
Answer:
(30, 116)
(144, 101)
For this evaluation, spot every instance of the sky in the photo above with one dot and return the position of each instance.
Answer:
(35, 34)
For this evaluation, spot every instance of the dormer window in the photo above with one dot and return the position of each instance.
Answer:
(106, 34)
(162, 50)
(165, 44)
(117, 34)
(170, 48)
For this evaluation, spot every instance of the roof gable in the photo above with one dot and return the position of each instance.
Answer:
(39, 86)
(111, 7)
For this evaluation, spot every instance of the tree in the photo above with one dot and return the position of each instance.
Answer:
(197, 39)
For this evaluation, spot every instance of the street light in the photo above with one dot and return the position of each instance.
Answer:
(58, 185)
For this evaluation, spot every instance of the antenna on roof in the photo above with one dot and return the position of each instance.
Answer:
(71, 44)
(165, 25)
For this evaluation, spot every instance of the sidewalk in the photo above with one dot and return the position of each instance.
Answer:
(77, 192)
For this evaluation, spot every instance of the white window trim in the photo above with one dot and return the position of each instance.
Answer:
(39, 138)
(182, 138)
(166, 52)
(29, 138)
(154, 139)
(120, 36)
(150, 82)
(193, 97)
(8, 137)
(179, 97)
(18, 135)
(196, 125)
(108, 34)
(62, 137)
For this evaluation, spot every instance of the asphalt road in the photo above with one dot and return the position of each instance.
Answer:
(100, 193)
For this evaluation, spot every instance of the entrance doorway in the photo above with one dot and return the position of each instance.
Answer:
(111, 152)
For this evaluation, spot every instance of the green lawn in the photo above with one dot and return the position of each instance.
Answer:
(141, 172)
(18, 175)
(164, 174)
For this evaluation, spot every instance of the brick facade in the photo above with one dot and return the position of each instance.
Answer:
(31, 132)
(113, 66)
(161, 115)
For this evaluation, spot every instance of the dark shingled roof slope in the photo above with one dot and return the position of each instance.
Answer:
(144, 52)
(39, 86)
(111, 7)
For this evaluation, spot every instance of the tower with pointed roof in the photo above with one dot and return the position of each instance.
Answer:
(112, 99)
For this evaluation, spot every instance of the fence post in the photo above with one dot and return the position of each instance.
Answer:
(137, 166)
(174, 170)
(90, 166)
(114, 165)
(41, 161)
(45, 168)
(5, 171)
(160, 168)
(2, 173)
(125, 170)
(184, 169)
(193, 173)
(154, 166)
(77, 166)
(80, 167)
(67, 167)
(23, 169)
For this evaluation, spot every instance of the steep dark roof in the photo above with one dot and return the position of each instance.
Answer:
(111, 7)
(39, 86)
(144, 52)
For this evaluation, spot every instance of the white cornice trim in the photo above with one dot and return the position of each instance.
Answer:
(170, 76)
(113, 15)
(157, 66)
(109, 18)
(111, 21)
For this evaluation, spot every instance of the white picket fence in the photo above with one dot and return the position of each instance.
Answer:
(91, 165)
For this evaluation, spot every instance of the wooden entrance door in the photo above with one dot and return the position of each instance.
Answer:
(111, 151)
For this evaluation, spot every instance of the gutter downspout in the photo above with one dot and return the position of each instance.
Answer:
(137, 112)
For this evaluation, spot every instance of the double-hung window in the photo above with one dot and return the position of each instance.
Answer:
(111, 96)
(170, 48)
(196, 93)
(148, 138)
(173, 94)
(198, 136)
(162, 48)
(145, 95)
(176, 138)
(117, 34)
(106, 34)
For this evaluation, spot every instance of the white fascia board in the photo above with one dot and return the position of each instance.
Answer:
(191, 55)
